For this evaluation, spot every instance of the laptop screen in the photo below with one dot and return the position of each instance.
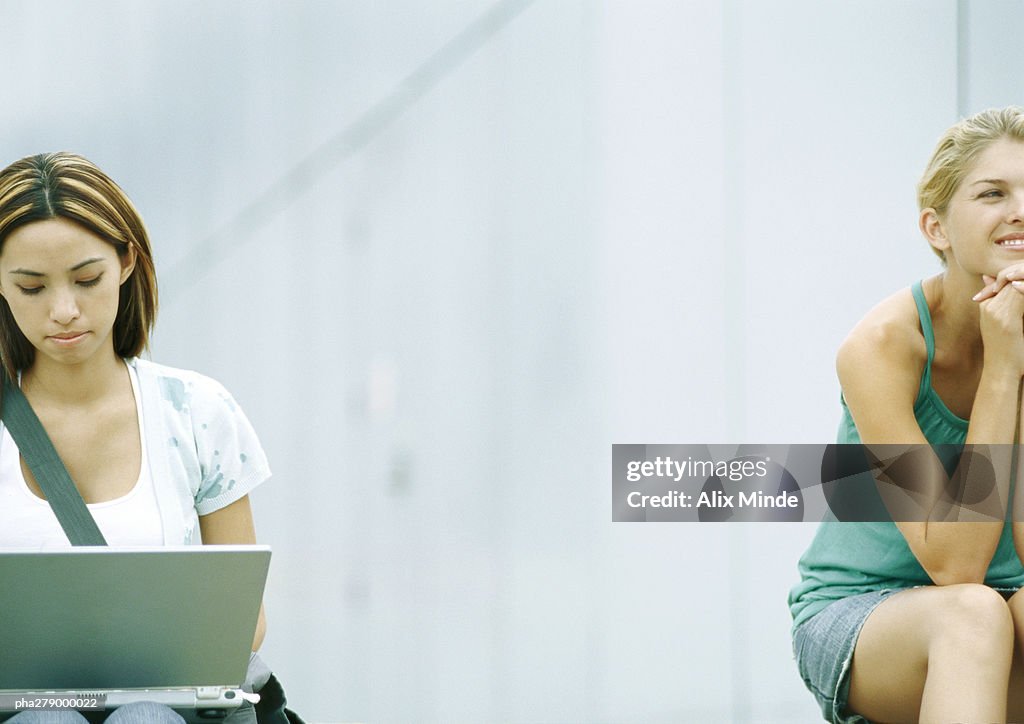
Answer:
(89, 619)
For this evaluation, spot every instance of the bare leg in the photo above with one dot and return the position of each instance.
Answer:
(1015, 705)
(935, 654)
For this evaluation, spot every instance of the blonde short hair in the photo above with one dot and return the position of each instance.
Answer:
(957, 150)
(66, 185)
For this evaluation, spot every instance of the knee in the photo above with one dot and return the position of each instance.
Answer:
(145, 712)
(973, 617)
(59, 716)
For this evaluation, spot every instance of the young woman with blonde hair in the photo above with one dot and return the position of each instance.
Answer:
(923, 620)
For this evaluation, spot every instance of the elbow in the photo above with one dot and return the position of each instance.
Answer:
(954, 574)
(959, 552)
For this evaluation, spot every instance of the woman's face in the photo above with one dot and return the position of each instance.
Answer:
(984, 224)
(61, 282)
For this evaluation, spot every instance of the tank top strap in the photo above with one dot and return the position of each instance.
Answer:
(929, 335)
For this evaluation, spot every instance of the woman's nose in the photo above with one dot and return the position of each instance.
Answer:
(1017, 209)
(65, 307)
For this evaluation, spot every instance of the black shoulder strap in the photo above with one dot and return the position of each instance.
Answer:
(46, 466)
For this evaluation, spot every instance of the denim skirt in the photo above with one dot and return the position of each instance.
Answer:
(823, 647)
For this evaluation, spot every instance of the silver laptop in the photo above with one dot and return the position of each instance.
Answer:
(117, 625)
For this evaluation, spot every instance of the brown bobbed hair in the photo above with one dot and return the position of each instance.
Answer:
(66, 185)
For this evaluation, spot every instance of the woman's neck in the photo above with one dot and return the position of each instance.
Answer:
(47, 381)
(956, 316)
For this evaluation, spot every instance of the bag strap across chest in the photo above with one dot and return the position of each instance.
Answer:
(49, 471)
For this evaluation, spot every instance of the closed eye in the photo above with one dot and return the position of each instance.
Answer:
(90, 282)
(29, 290)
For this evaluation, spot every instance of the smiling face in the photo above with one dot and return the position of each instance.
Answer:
(982, 230)
(62, 282)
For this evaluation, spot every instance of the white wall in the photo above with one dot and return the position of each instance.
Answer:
(758, 199)
(610, 222)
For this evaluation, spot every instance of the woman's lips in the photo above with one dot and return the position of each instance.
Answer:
(1011, 241)
(67, 339)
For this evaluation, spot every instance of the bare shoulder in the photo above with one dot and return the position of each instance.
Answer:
(888, 337)
(879, 366)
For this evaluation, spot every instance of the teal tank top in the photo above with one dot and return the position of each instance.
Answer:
(847, 559)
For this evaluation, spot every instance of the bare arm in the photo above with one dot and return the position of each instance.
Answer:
(880, 367)
(1007, 276)
(233, 525)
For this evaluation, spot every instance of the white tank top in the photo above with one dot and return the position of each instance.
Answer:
(27, 521)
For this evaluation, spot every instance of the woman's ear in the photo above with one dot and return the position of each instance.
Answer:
(934, 230)
(127, 264)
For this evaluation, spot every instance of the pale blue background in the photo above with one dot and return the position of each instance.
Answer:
(620, 221)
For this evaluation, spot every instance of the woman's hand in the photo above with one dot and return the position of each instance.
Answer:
(1002, 324)
(1012, 273)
